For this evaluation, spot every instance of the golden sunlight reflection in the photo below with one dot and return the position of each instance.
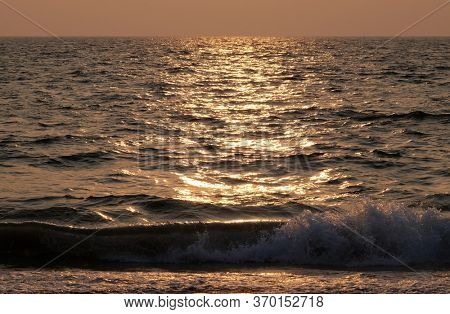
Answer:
(104, 216)
(323, 176)
(201, 190)
(249, 156)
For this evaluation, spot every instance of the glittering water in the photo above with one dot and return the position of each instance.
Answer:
(126, 134)
(222, 280)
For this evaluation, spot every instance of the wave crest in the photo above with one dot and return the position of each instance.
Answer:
(315, 238)
(342, 239)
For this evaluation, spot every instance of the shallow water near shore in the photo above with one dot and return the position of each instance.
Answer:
(212, 279)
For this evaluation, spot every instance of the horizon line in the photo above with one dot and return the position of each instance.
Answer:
(229, 36)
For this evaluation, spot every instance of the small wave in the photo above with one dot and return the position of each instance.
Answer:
(413, 115)
(75, 160)
(202, 119)
(49, 198)
(116, 199)
(147, 207)
(413, 132)
(382, 153)
(304, 155)
(55, 139)
(440, 200)
(333, 238)
(295, 77)
(50, 124)
(368, 162)
(79, 73)
(56, 214)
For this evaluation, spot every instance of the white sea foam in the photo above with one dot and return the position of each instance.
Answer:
(369, 234)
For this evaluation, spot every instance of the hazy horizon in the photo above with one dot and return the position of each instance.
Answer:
(222, 36)
(266, 18)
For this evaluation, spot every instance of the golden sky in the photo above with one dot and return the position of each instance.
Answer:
(224, 17)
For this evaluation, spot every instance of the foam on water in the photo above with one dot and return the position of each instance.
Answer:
(367, 234)
(370, 234)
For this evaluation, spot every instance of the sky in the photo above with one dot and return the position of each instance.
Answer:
(224, 17)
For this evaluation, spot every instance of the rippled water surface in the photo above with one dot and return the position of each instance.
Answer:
(216, 280)
(129, 133)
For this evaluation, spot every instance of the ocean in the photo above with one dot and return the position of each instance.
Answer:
(225, 164)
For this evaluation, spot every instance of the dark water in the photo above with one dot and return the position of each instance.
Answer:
(225, 150)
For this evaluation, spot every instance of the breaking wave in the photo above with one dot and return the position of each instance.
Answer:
(370, 234)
